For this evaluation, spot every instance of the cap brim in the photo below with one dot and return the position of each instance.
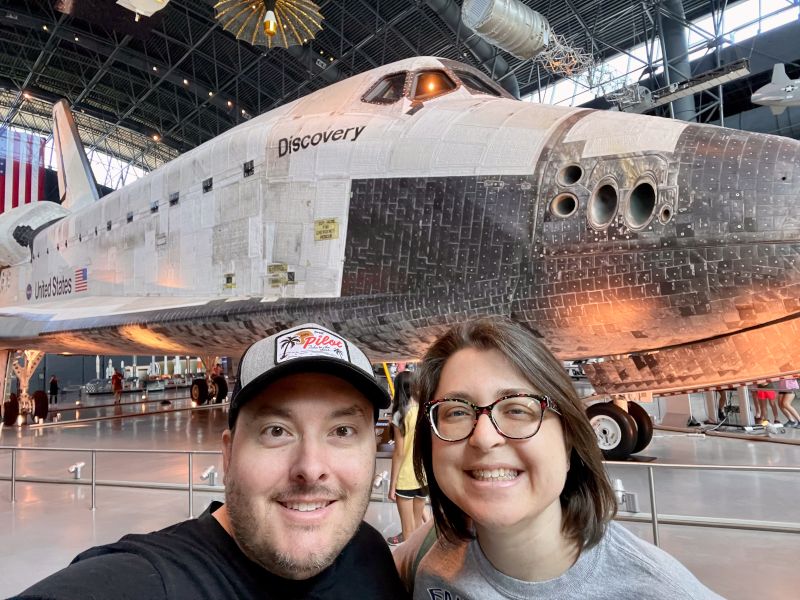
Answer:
(365, 384)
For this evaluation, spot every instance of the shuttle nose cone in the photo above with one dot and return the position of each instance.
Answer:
(736, 186)
(739, 216)
(656, 233)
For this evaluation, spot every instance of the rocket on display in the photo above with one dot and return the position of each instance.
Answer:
(392, 204)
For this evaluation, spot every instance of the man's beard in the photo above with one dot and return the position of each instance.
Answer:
(260, 544)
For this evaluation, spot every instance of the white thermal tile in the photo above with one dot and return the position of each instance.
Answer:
(621, 133)
(465, 155)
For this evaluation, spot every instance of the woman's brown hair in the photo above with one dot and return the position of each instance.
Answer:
(587, 500)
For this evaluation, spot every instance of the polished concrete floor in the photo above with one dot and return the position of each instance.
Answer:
(50, 523)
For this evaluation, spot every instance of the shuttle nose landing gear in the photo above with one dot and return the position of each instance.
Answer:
(619, 433)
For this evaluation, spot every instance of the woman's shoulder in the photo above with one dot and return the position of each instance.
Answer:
(642, 562)
(405, 554)
(397, 418)
(423, 550)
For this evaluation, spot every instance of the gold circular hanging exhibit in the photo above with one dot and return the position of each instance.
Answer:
(270, 23)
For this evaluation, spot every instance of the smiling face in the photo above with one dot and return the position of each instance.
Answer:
(298, 472)
(500, 483)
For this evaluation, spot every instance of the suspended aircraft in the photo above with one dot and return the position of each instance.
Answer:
(780, 93)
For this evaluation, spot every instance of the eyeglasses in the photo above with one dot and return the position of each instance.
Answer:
(516, 417)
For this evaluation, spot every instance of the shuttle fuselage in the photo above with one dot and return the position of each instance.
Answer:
(400, 200)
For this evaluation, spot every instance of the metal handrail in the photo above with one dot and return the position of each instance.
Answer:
(94, 482)
(654, 519)
(722, 523)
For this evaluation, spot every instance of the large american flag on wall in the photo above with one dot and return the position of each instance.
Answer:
(21, 169)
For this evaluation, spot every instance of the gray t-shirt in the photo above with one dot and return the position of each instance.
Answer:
(622, 566)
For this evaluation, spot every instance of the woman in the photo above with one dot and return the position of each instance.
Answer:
(764, 395)
(116, 386)
(521, 503)
(404, 488)
(787, 389)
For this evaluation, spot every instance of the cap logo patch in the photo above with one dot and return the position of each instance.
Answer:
(310, 342)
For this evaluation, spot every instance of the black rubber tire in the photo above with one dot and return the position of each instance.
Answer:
(619, 435)
(41, 405)
(199, 391)
(644, 426)
(221, 388)
(10, 411)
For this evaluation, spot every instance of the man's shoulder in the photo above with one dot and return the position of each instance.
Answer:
(367, 566)
(116, 569)
(186, 542)
(368, 542)
(116, 575)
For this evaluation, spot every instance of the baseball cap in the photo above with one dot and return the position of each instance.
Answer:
(309, 348)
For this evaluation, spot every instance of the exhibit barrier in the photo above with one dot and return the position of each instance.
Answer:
(653, 517)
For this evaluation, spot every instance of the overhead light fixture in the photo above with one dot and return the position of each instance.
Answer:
(270, 23)
(185, 82)
(156, 137)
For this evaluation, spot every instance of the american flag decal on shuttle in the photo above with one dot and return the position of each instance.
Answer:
(81, 280)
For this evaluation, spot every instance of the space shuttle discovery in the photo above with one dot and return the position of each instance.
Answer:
(398, 201)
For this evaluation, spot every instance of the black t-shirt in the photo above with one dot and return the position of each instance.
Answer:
(198, 559)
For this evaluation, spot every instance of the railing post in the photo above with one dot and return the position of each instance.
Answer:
(13, 475)
(653, 509)
(94, 479)
(191, 487)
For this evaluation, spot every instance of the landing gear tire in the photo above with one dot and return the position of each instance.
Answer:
(41, 405)
(221, 388)
(10, 412)
(199, 391)
(615, 430)
(644, 426)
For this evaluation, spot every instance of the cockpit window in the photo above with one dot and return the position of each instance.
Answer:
(388, 90)
(476, 84)
(430, 84)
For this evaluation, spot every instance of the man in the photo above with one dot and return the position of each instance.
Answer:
(299, 457)
(54, 390)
